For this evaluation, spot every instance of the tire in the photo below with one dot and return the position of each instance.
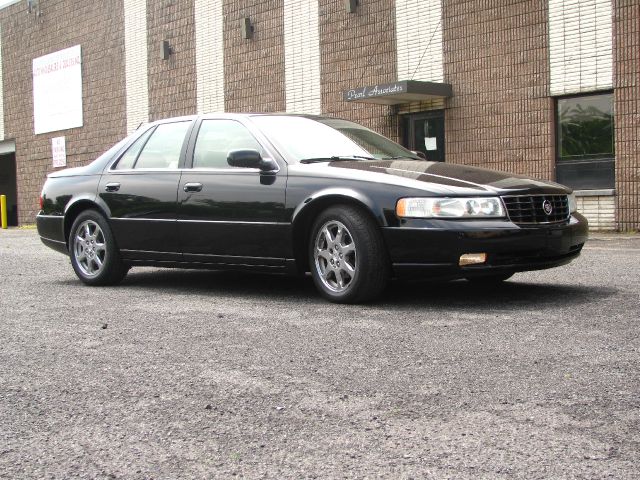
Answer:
(347, 256)
(495, 279)
(94, 255)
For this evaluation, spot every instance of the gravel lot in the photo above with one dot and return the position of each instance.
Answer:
(188, 374)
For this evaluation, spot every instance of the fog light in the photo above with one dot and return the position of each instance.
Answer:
(472, 259)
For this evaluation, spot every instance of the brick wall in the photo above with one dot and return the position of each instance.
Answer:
(500, 115)
(358, 49)
(626, 28)
(172, 82)
(99, 28)
(254, 69)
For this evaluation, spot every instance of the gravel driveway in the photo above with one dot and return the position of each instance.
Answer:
(190, 374)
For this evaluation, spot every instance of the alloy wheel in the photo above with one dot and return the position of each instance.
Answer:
(335, 256)
(89, 248)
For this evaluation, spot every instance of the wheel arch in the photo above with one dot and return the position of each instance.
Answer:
(306, 213)
(78, 206)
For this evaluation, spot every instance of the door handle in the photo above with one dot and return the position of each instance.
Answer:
(192, 187)
(112, 187)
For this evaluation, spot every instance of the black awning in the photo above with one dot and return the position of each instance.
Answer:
(398, 92)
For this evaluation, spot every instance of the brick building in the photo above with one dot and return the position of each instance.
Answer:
(548, 88)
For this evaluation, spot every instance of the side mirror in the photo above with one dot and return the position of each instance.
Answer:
(250, 159)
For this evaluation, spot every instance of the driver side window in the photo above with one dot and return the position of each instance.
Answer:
(216, 138)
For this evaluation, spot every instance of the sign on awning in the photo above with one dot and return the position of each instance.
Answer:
(395, 93)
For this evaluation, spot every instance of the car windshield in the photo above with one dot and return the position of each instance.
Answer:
(306, 140)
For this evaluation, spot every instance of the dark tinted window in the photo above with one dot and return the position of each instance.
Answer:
(129, 157)
(216, 138)
(585, 146)
(585, 127)
(163, 149)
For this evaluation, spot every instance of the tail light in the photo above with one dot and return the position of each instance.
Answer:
(41, 202)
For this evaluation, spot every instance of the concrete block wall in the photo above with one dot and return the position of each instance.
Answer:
(136, 63)
(302, 56)
(209, 55)
(419, 40)
(580, 46)
(599, 211)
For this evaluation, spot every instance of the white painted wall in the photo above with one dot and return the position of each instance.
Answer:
(137, 80)
(580, 46)
(209, 56)
(302, 56)
(419, 40)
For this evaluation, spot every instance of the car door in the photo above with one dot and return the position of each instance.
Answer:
(140, 190)
(230, 215)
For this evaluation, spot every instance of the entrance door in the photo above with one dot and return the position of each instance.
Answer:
(424, 132)
(8, 186)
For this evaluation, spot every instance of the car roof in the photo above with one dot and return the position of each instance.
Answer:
(235, 115)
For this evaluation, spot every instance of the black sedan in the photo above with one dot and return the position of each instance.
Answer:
(295, 194)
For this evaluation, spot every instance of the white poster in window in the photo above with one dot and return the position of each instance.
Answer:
(431, 143)
(57, 91)
(59, 152)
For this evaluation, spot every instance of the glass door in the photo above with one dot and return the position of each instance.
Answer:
(424, 132)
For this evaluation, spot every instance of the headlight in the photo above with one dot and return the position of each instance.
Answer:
(573, 204)
(476, 207)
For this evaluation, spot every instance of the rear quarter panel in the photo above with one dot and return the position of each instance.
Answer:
(58, 195)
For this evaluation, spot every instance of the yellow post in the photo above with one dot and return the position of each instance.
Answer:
(3, 210)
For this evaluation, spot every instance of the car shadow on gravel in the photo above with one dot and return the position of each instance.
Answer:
(459, 294)
(512, 293)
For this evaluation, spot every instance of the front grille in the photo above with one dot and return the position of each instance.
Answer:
(530, 208)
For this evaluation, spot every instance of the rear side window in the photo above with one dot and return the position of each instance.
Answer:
(131, 155)
(216, 138)
(163, 149)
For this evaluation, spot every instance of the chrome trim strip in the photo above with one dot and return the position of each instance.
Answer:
(52, 240)
(145, 219)
(41, 215)
(232, 222)
(208, 255)
(199, 221)
(538, 195)
(150, 251)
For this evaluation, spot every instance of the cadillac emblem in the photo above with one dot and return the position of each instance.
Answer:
(547, 207)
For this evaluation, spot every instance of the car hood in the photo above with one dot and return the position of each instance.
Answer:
(439, 177)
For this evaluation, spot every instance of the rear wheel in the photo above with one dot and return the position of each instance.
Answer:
(348, 260)
(94, 255)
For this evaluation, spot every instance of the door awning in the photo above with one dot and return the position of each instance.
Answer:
(395, 93)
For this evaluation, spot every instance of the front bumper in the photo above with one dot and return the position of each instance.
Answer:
(432, 249)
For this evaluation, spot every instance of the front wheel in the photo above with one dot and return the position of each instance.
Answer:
(94, 255)
(348, 260)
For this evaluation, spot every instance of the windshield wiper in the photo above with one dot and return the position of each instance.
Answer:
(398, 157)
(337, 158)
